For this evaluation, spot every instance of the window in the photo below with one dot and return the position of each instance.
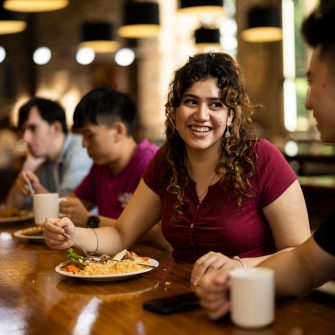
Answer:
(299, 121)
(295, 56)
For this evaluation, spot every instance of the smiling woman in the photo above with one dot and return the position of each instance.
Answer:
(201, 121)
(209, 91)
(202, 118)
(218, 191)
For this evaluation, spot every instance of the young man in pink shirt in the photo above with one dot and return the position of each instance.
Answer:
(106, 118)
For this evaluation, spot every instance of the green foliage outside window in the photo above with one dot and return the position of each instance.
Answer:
(300, 64)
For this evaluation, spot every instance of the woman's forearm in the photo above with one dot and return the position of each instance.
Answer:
(254, 261)
(104, 240)
(292, 276)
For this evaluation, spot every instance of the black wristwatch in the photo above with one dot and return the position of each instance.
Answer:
(93, 221)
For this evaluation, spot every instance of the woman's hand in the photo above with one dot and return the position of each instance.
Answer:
(210, 262)
(74, 209)
(213, 291)
(55, 231)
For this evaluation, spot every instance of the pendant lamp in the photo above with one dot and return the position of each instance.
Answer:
(98, 36)
(264, 25)
(207, 38)
(11, 22)
(140, 20)
(201, 6)
(35, 5)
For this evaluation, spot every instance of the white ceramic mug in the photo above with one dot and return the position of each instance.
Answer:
(45, 206)
(252, 297)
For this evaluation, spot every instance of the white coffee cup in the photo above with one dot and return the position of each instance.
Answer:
(45, 205)
(252, 297)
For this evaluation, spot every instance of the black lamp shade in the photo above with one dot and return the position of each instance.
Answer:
(198, 3)
(264, 25)
(140, 13)
(264, 17)
(207, 36)
(201, 6)
(140, 19)
(99, 36)
(92, 31)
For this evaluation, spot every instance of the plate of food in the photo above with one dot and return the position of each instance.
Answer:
(14, 215)
(32, 233)
(105, 268)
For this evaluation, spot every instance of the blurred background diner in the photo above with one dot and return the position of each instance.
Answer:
(61, 53)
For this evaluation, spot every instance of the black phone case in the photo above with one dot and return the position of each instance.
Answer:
(173, 304)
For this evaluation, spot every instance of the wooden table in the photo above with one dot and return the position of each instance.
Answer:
(34, 299)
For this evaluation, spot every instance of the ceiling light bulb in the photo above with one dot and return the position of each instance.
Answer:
(42, 55)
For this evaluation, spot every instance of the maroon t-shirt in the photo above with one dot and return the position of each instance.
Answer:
(111, 193)
(217, 224)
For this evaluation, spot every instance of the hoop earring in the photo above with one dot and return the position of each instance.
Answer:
(227, 132)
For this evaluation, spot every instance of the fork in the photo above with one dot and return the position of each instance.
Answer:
(30, 187)
(142, 264)
(69, 237)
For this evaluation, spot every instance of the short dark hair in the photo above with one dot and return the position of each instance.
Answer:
(49, 110)
(105, 105)
(318, 30)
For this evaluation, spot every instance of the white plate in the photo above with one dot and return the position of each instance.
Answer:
(21, 234)
(111, 277)
(25, 217)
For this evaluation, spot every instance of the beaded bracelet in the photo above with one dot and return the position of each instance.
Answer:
(96, 235)
(239, 260)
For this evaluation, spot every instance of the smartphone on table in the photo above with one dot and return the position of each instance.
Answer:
(173, 304)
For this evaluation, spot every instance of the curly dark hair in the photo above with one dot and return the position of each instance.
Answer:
(236, 166)
(318, 30)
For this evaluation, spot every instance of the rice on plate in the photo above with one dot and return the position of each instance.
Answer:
(110, 267)
(104, 265)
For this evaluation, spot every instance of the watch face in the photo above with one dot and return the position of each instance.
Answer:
(93, 221)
